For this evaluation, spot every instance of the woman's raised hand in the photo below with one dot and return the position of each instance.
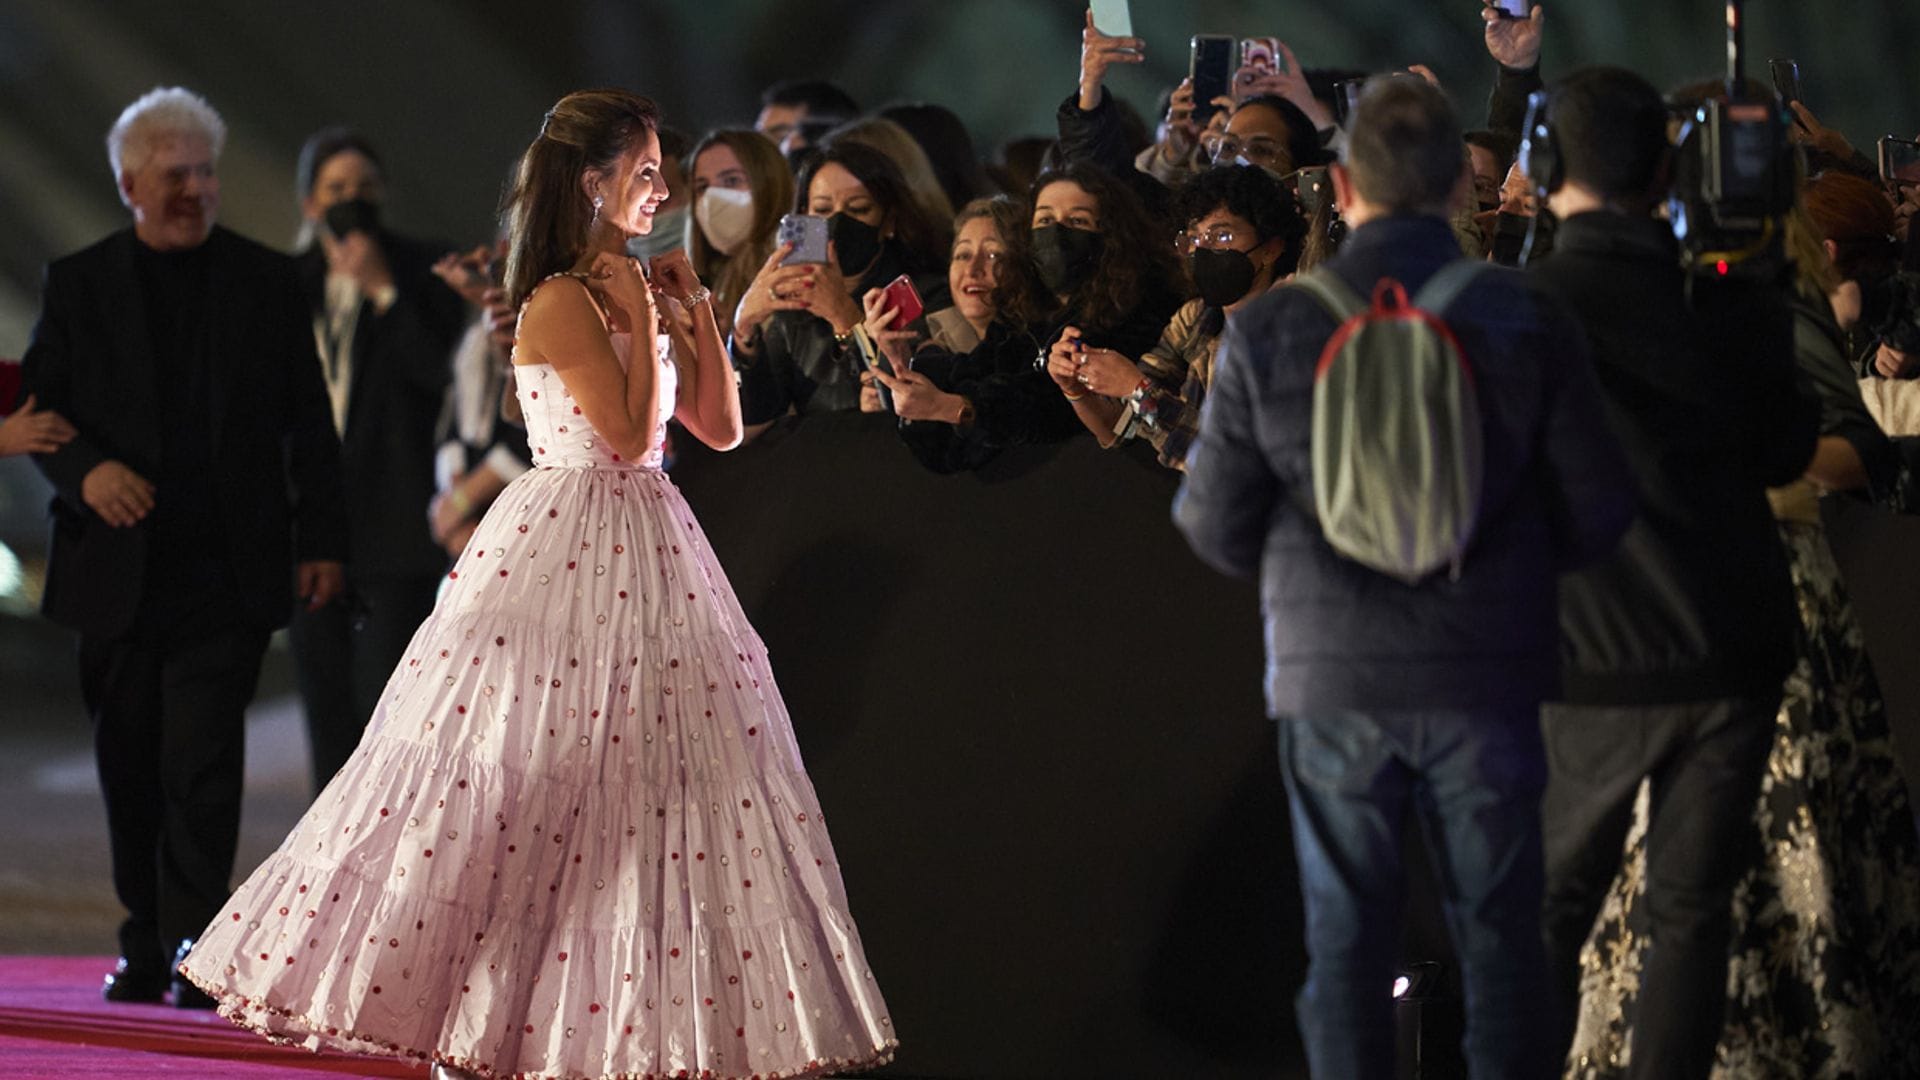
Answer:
(897, 344)
(774, 288)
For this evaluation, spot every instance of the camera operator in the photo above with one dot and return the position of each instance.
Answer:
(385, 326)
(1674, 648)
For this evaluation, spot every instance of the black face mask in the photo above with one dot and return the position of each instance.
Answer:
(1222, 275)
(855, 244)
(1510, 237)
(353, 215)
(1065, 258)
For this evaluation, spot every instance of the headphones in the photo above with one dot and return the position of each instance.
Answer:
(1540, 149)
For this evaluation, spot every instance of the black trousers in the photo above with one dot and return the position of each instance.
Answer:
(345, 653)
(168, 712)
(1705, 762)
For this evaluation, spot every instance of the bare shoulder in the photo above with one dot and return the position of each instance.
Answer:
(553, 318)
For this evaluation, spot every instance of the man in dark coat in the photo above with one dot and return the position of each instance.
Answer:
(1397, 699)
(1674, 648)
(199, 497)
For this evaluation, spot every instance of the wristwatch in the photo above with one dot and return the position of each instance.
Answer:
(1144, 404)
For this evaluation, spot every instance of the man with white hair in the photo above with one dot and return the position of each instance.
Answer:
(198, 497)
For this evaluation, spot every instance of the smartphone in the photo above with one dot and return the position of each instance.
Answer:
(901, 296)
(1112, 18)
(1313, 187)
(807, 234)
(1210, 66)
(1786, 79)
(1346, 98)
(1263, 53)
(1899, 161)
(1511, 9)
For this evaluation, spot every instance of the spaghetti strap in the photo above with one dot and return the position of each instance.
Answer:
(606, 321)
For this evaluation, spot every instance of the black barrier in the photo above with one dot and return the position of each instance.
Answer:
(1034, 721)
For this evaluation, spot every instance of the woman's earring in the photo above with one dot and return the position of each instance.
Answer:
(596, 209)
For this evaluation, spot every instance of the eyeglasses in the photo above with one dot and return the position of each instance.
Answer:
(1224, 149)
(1220, 236)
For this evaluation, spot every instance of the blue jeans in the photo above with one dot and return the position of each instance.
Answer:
(1474, 780)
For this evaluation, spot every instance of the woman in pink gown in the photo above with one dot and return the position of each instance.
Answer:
(577, 839)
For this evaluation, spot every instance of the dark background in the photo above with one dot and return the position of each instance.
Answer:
(452, 90)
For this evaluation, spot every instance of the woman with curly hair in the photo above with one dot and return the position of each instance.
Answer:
(1089, 268)
(1242, 234)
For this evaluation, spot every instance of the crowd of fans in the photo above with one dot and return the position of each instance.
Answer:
(1090, 277)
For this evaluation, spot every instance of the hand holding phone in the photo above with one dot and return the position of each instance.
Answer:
(901, 296)
(1102, 47)
(1513, 32)
(808, 236)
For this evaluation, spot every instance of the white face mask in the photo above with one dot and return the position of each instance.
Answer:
(725, 215)
(669, 233)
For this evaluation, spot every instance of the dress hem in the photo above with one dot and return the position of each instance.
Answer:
(233, 1008)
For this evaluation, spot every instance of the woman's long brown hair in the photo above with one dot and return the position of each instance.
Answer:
(547, 210)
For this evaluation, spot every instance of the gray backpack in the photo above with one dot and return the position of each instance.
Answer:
(1397, 442)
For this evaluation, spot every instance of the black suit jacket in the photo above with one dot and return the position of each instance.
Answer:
(402, 363)
(91, 360)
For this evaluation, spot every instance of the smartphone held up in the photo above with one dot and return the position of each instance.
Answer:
(905, 302)
(1262, 54)
(1899, 162)
(1112, 18)
(807, 234)
(1210, 66)
(1786, 80)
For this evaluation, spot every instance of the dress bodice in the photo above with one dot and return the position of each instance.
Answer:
(558, 433)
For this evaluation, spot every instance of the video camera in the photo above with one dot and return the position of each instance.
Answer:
(1735, 173)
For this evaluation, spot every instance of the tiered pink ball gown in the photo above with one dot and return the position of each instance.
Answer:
(577, 839)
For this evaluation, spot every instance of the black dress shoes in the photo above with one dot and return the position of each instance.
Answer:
(185, 994)
(134, 982)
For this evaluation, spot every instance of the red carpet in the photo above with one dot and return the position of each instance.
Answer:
(54, 1024)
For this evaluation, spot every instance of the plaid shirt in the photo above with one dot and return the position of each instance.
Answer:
(1180, 368)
